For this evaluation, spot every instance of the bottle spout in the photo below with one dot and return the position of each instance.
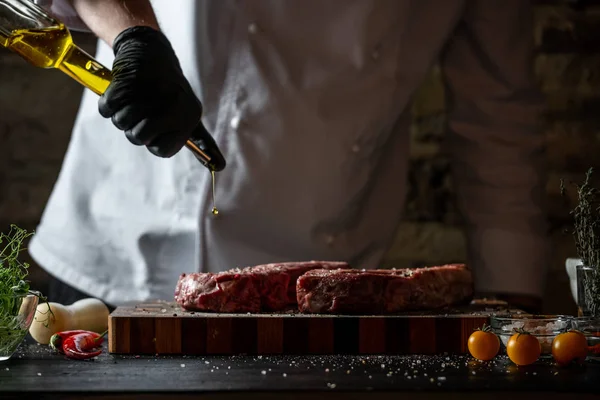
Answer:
(204, 147)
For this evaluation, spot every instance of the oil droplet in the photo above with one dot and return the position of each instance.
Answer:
(214, 209)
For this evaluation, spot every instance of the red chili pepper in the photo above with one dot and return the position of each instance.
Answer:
(56, 341)
(80, 345)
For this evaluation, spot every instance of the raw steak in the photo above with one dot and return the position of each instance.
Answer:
(351, 291)
(268, 287)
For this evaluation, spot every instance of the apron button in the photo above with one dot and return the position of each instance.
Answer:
(235, 122)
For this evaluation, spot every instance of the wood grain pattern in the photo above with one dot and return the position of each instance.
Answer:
(422, 335)
(371, 336)
(320, 336)
(219, 336)
(163, 328)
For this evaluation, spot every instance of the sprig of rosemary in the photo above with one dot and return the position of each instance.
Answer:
(586, 232)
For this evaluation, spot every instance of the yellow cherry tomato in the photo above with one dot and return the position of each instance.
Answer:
(483, 344)
(523, 348)
(568, 347)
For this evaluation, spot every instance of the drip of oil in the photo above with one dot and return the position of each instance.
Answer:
(54, 48)
(214, 208)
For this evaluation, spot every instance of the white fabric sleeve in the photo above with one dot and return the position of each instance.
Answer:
(64, 11)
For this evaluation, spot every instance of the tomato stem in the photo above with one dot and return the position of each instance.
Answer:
(521, 331)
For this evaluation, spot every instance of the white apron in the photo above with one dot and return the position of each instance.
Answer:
(307, 100)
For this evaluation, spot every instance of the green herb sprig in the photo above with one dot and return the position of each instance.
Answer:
(13, 288)
(586, 232)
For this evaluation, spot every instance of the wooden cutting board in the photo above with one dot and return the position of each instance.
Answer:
(164, 328)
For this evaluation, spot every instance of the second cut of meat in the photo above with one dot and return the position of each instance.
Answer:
(381, 291)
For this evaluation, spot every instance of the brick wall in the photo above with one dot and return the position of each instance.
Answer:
(37, 109)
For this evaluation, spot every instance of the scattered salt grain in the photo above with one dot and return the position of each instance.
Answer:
(7, 369)
(39, 374)
(441, 378)
(263, 372)
(331, 385)
(382, 366)
(284, 374)
(206, 362)
(182, 365)
(326, 369)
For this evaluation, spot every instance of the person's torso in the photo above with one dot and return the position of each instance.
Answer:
(308, 102)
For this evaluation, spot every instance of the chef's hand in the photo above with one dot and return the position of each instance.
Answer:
(149, 97)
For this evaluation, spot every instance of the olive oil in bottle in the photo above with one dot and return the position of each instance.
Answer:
(54, 48)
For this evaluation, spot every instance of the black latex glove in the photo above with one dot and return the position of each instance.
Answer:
(151, 100)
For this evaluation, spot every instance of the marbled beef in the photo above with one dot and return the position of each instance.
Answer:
(268, 287)
(381, 291)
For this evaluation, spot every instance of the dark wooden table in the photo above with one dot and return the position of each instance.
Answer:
(35, 372)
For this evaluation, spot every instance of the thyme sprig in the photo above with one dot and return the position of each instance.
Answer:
(586, 232)
(13, 288)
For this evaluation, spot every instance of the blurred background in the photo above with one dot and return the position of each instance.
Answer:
(38, 108)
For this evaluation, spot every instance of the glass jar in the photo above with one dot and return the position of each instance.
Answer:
(590, 327)
(588, 291)
(16, 316)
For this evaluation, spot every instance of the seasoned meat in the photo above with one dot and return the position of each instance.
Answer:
(268, 287)
(351, 291)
